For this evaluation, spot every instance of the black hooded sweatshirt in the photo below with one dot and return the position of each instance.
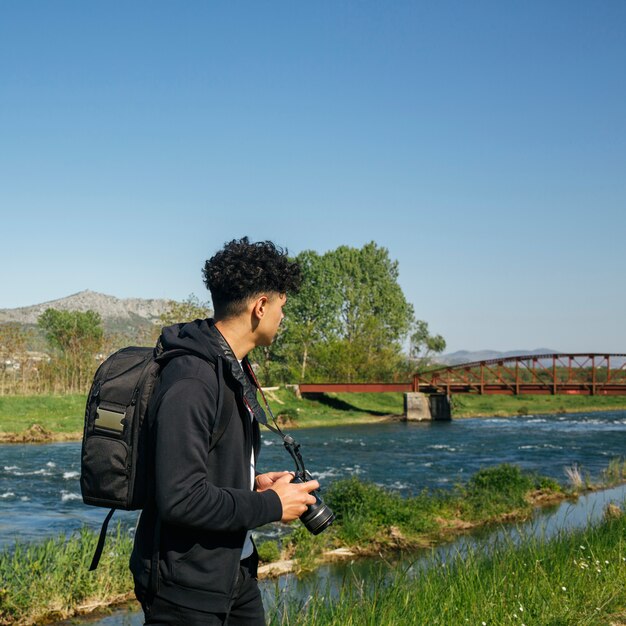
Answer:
(202, 499)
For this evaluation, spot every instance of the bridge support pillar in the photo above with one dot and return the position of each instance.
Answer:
(416, 407)
(440, 407)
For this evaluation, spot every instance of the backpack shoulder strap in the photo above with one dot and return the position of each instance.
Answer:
(100, 546)
(224, 408)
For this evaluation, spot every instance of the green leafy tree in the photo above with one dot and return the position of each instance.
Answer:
(348, 321)
(372, 299)
(311, 316)
(423, 345)
(77, 338)
(374, 317)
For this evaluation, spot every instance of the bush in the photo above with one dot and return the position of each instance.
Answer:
(501, 489)
(365, 512)
(268, 551)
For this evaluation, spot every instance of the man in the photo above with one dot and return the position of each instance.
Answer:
(194, 561)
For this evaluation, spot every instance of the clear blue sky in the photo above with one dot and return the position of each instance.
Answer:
(483, 143)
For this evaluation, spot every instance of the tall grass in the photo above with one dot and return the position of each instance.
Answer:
(50, 580)
(576, 579)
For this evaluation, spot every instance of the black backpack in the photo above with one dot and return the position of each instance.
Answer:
(115, 458)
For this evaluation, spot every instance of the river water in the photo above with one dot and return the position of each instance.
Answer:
(40, 494)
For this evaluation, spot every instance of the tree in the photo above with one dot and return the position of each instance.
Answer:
(76, 337)
(13, 342)
(311, 316)
(372, 299)
(348, 321)
(424, 345)
(374, 316)
(192, 308)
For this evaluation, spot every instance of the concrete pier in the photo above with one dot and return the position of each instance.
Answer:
(418, 407)
(440, 407)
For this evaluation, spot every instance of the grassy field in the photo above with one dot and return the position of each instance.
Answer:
(63, 415)
(474, 405)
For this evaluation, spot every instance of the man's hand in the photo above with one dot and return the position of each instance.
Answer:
(265, 481)
(294, 497)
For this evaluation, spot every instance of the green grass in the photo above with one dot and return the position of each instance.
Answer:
(471, 405)
(50, 580)
(371, 519)
(576, 579)
(64, 414)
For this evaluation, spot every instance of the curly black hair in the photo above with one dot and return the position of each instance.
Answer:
(242, 270)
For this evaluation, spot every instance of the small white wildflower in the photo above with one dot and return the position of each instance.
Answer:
(521, 608)
(598, 570)
(582, 547)
(484, 623)
(564, 588)
(606, 562)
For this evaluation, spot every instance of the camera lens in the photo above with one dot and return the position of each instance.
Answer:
(318, 516)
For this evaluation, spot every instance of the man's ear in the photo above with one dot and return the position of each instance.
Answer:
(259, 306)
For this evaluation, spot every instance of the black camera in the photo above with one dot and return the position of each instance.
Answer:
(318, 516)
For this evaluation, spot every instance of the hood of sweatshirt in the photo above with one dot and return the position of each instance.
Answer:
(202, 339)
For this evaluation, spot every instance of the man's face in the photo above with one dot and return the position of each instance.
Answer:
(272, 317)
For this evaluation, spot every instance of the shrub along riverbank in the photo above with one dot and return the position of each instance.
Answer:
(60, 418)
(42, 582)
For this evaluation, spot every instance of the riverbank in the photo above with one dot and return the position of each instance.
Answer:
(574, 579)
(50, 581)
(44, 419)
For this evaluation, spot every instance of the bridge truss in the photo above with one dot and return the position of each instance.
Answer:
(576, 374)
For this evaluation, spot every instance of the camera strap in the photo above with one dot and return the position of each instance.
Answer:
(291, 445)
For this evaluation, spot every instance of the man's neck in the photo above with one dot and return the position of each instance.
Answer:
(237, 336)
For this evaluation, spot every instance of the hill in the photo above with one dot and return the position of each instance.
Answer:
(132, 318)
(468, 356)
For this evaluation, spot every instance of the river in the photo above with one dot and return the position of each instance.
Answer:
(40, 493)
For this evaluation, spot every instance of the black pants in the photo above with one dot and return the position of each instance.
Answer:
(246, 609)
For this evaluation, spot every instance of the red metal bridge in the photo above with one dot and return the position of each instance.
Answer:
(541, 374)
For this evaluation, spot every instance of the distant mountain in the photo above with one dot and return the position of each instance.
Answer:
(109, 307)
(467, 356)
(128, 317)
